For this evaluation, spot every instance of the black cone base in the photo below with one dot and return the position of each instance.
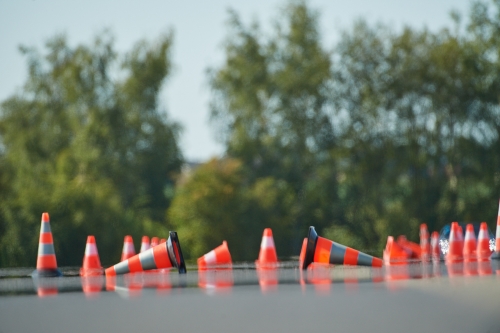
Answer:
(175, 252)
(312, 238)
(46, 273)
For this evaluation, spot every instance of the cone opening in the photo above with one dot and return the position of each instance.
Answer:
(312, 239)
(175, 252)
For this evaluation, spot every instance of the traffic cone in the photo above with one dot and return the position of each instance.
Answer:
(91, 262)
(322, 250)
(483, 243)
(412, 248)
(496, 253)
(128, 248)
(456, 244)
(155, 241)
(46, 264)
(470, 246)
(425, 247)
(217, 257)
(164, 255)
(144, 244)
(395, 254)
(267, 254)
(435, 249)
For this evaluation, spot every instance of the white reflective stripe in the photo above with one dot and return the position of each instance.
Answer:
(470, 236)
(210, 257)
(128, 248)
(267, 242)
(91, 250)
(483, 234)
(498, 232)
(144, 247)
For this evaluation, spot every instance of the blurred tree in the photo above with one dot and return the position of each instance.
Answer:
(90, 145)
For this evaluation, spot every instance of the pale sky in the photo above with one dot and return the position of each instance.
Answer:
(199, 29)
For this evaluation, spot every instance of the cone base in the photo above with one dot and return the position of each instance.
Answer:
(312, 238)
(175, 252)
(495, 256)
(46, 273)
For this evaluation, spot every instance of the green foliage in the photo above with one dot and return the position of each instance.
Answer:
(88, 143)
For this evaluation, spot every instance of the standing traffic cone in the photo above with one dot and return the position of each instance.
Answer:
(155, 241)
(435, 249)
(218, 256)
(128, 248)
(496, 253)
(91, 262)
(322, 250)
(46, 264)
(483, 243)
(425, 247)
(456, 244)
(469, 251)
(144, 244)
(164, 255)
(267, 254)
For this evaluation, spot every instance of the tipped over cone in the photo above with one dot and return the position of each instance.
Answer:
(267, 254)
(165, 255)
(219, 256)
(322, 250)
(46, 264)
(91, 262)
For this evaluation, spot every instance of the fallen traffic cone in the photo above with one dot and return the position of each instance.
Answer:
(435, 249)
(425, 247)
(456, 244)
(155, 241)
(395, 254)
(412, 248)
(128, 248)
(144, 244)
(164, 255)
(219, 256)
(322, 250)
(496, 253)
(267, 254)
(483, 243)
(91, 262)
(469, 251)
(46, 264)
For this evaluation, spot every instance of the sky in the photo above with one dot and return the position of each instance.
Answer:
(199, 31)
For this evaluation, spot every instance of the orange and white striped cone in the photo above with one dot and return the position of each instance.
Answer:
(456, 244)
(412, 248)
(394, 253)
(322, 250)
(220, 256)
(483, 243)
(46, 263)
(144, 244)
(155, 241)
(435, 250)
(91, 262)
(425, 246)
(164, 255)
(267, 254)
(496, 253)
(128, 248)
(470, 246)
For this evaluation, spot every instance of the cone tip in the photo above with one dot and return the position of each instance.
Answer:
(110, 271)
(45, 217)
(128, 239)
(484, 226)
(145, 239)
(377, 262)
(90, 239)
(268, 232)
(470, 228)
(423, 226)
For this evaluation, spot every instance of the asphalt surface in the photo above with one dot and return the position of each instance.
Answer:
(245, 300)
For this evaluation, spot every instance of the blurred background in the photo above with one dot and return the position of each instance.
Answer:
(219, 119)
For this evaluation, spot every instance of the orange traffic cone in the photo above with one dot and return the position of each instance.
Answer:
(413, 249)
(496, 253)
(164, 255)
(322, 250)
(144, 244)
(267, 254)
(302, 254)
(128, 248)
(456, 244)
(155, 241)
(219, 256)
(91, 262)
(483, 243)
(469, 251)
(46, 264)
(425, 247)
(394, 253)
(435, 249)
